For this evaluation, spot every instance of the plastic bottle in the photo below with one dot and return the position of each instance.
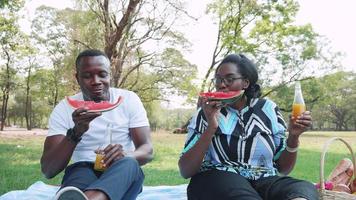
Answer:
(298, 103)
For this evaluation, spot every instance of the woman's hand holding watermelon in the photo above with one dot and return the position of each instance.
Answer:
(211, 111)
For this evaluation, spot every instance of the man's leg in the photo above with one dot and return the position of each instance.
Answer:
(122, 180)
(216, 184)
(79, 175)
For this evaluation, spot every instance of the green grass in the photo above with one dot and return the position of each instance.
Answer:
(19, 162)
(19, 159)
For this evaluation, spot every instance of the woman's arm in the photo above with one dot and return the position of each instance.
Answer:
(296, 127)
(287, 159)
(190, 161)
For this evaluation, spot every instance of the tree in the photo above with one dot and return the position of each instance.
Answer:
(129, 28)
(10, 40)
(51, 35)
(13, 5)
(266, 30)
(341, 96)
(330, 98)
(32, 65)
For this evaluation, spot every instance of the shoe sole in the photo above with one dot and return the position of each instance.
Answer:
(70, 193)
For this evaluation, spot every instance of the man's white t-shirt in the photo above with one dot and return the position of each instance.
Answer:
(129, 114)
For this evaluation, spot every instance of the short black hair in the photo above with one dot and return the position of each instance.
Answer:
(88, 52)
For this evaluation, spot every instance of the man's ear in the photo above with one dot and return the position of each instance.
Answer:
(77, 77)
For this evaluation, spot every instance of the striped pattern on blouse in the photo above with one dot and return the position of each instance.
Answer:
(247, 142)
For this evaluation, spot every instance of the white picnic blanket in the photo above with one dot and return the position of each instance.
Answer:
(42, 191)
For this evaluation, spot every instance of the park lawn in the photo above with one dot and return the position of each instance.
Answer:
(19, 158)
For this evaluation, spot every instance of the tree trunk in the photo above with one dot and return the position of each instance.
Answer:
(28, 99)
(4, 109)
(6, 92)
(8, 121)
(114, 35)
(55, 91)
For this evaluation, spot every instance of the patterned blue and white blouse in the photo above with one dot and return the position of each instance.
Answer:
(247, 142)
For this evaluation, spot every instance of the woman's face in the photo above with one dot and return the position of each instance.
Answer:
(228, 78)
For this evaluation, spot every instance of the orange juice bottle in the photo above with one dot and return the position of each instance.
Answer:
(298, 103)
(98, 165)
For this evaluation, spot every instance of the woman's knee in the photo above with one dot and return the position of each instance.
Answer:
(301, 189)
(217, 184)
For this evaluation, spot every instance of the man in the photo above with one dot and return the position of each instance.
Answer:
(77, 134)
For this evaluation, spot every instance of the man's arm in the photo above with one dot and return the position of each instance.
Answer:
(58, 149)
(141, 137)
(56, 155)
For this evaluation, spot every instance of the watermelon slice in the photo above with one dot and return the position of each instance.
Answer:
(224, 97)
(93, 106)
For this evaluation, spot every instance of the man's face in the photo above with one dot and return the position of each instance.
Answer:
(93, 76)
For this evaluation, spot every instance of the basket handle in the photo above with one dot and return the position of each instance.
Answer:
(322, 158)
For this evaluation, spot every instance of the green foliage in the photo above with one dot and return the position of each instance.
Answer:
(167, 119)
(12, 5)
(51, 34)
(330, 98)
(339, 96)
(178, 72)
(169, 74)
(266, 30)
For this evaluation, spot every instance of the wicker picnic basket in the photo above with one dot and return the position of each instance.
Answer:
(328, 194)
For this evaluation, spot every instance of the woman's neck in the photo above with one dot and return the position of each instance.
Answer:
(240, 104)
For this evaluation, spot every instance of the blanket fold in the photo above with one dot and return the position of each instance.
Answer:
(42, 191)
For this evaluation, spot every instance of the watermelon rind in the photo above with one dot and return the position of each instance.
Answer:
(225, 100)
(111, 106)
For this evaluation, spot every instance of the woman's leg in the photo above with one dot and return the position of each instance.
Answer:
(216, 184)
(286, 188)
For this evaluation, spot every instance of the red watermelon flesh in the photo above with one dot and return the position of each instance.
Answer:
(93, 106)
(224, 97)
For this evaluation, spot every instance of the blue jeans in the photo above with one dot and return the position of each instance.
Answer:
(122, 180)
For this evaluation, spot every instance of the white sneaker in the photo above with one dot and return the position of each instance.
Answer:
(70, 193)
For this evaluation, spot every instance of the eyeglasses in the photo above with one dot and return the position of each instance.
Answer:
(227, 81)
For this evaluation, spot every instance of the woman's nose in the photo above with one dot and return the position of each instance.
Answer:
(221, 85)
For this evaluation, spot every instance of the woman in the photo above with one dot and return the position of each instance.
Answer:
(240, 150)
